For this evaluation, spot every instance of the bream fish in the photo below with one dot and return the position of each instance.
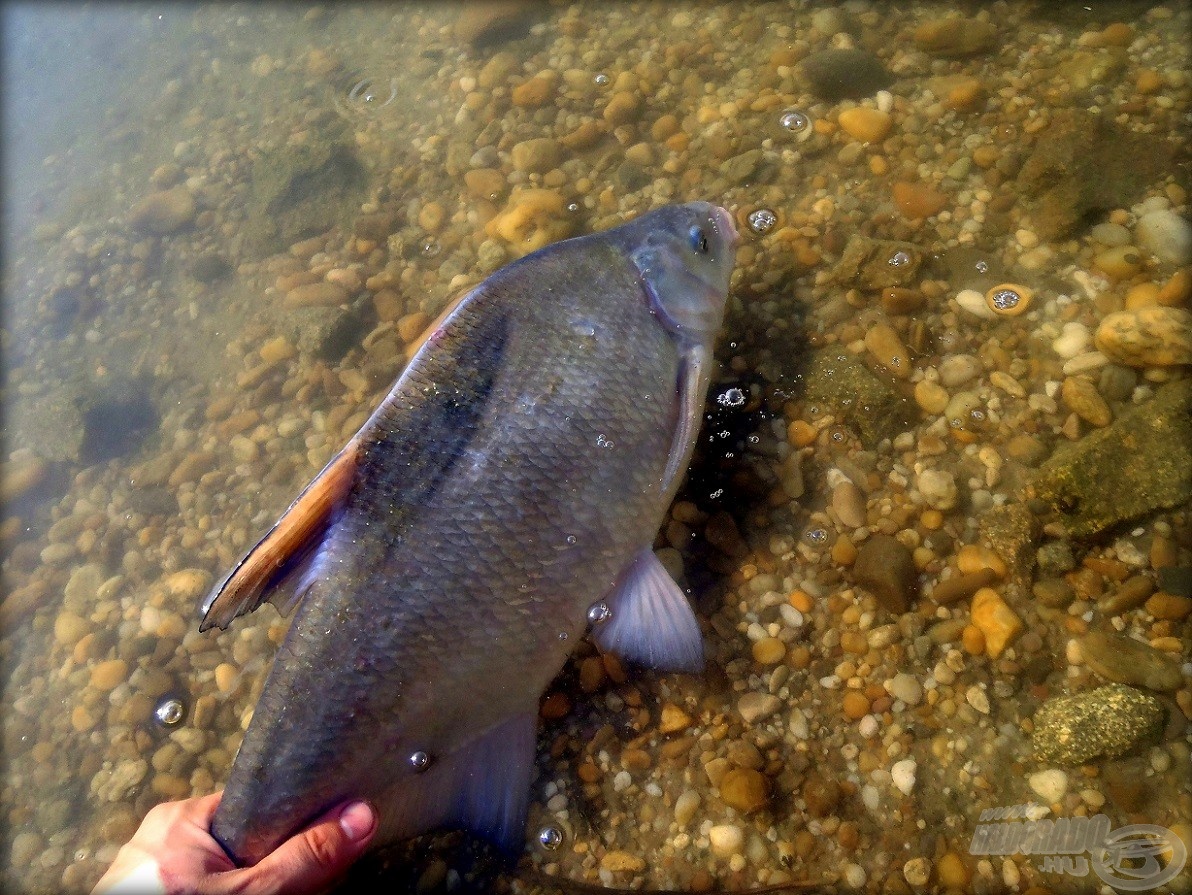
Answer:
(502, 500)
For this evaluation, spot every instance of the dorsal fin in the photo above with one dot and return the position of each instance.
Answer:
(300, 530)
(400, 454)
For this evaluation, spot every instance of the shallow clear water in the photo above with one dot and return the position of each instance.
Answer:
(943, 484)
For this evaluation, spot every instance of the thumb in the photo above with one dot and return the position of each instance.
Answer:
(310, 861)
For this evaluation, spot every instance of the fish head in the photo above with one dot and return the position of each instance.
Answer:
(684, 257)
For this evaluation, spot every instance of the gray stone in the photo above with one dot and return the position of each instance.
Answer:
(845, 74)
(838, 383)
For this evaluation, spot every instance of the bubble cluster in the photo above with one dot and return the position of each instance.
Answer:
(731, 397)
(1005, 299)
(762, 220)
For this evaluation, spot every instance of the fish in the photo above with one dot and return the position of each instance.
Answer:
(499, 503)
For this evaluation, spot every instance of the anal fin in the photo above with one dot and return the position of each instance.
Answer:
(284, 553)
(651, 621)
(483, 787)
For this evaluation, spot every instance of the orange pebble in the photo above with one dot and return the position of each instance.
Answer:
(973, 640)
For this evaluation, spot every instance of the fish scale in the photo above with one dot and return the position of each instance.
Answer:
(444, 562)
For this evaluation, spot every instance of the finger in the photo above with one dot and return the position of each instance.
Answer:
(311, 860)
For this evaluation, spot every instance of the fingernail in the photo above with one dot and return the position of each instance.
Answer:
(357, 820)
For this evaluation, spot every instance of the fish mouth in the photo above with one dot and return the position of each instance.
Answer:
(724, 220)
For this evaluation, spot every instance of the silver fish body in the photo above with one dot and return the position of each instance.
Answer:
(444, 564)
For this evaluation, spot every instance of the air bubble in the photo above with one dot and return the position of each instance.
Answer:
(794, 120)
(419, 761)
(169, 712)
(550, 838)
(430, 249)
(899, 259)
(599, 613)
(601, 79)
(571, 539)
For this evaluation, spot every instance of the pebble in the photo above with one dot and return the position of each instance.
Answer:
(886, 568)
(1110, 721)
(769, 651)
(918, 200)
(905, 687)
(163, 212)
(617, 861)
(917, 872)
(109, 675)
(685, 807)
(726, 840)
(1166, 235)
(973, 302)
(532, 218)
(1148, 336)
(996, 620)
(849, 503)
(931, 396)
(754, 707)
(673, 719)
(744, 789)
(938, 488)
(954, 37)
(311, 295)
(70, 628)
(1117, 657)
(1169, 607)
(1119, 262)
(902, 775)
(958, 369)
(886, 347)
(623, 107)
(536, 156)
(839, 73)
(1073, 339)
(865, 124)
(1082, 397)
(1050, 785)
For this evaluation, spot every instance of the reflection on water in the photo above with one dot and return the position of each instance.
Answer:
(942, 489)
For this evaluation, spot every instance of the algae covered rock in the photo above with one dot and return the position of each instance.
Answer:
(303, 189)
(1141, 463)
(1108, 721)
(839, 384)
(1084, 164)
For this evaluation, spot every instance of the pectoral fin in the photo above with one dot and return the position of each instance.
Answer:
(651, 621)
(694, 372)
(285, 551)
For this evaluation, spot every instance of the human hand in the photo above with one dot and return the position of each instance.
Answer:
(174, 853)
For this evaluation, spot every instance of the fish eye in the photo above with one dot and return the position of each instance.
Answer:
(699, 240)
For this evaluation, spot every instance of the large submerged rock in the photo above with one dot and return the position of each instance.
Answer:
(1141, 463)
(1084, 164)
(301, 190)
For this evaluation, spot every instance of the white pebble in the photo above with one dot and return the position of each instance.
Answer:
(1073, 340)
(1049, 785)
(1110, 234)
(905, 687)
(685, 806)
(938, 488)
(1083, 363)
(1166, 235)
(726, 840)
(854, 876)
(974, 302)
(977, 698)
(902, 775)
